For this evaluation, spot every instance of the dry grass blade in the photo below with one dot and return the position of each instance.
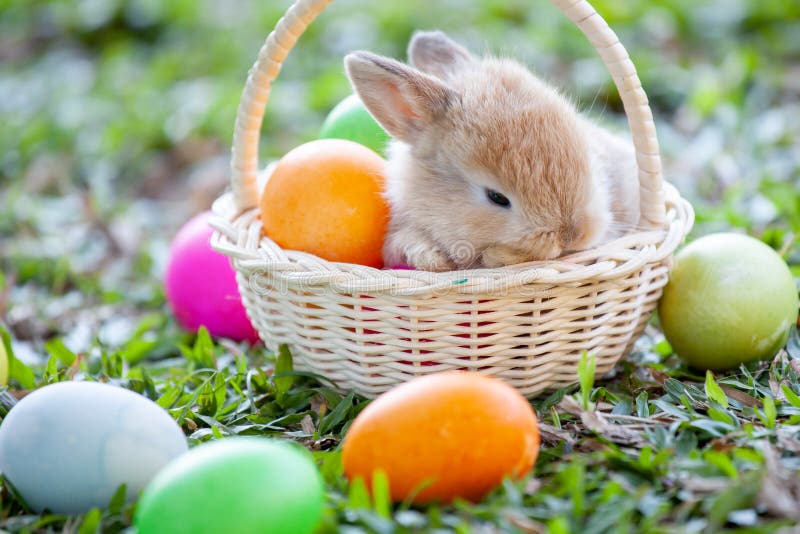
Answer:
(704, 485)
(780, 489)
(553, 436)
(597, 422)
(740, 396)
(307, 425)
(615, 433)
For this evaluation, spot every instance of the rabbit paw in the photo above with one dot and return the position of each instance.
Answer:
(412, 249)
(499, 256)
(429, 259)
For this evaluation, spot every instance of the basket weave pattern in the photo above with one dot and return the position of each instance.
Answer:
(368, 329)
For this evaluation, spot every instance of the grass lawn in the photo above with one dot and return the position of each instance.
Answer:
(117, 118)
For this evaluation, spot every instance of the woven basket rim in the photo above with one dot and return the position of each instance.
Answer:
(239, 236)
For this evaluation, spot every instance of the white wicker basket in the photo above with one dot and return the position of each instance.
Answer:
(368, 329)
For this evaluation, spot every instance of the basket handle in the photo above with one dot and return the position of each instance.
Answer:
(247, 131)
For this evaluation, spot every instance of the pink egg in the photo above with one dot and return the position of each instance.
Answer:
(201, 285)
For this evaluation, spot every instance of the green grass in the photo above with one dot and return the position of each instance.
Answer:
(117, 118)
(655, 449)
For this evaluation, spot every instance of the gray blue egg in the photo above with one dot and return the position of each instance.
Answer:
(67, 447)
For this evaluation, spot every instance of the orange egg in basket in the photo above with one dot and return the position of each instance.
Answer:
(325, 198)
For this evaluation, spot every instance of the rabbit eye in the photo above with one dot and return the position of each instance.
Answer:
(498, 198)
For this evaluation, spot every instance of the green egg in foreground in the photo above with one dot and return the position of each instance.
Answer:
(242, 485)
(350, 120)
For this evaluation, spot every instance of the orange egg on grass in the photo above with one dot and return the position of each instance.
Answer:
(443, 436)
(325, 198)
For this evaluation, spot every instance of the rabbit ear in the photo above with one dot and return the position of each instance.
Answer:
(437, 54)
(403, 100)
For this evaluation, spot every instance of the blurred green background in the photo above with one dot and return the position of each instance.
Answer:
(123, 97)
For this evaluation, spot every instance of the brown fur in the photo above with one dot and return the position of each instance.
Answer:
(465, 125)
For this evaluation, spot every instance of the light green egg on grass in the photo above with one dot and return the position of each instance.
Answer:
(730, 299)
(246, 485)
(350, 120)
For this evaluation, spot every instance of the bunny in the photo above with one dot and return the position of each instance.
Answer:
(489, 166)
